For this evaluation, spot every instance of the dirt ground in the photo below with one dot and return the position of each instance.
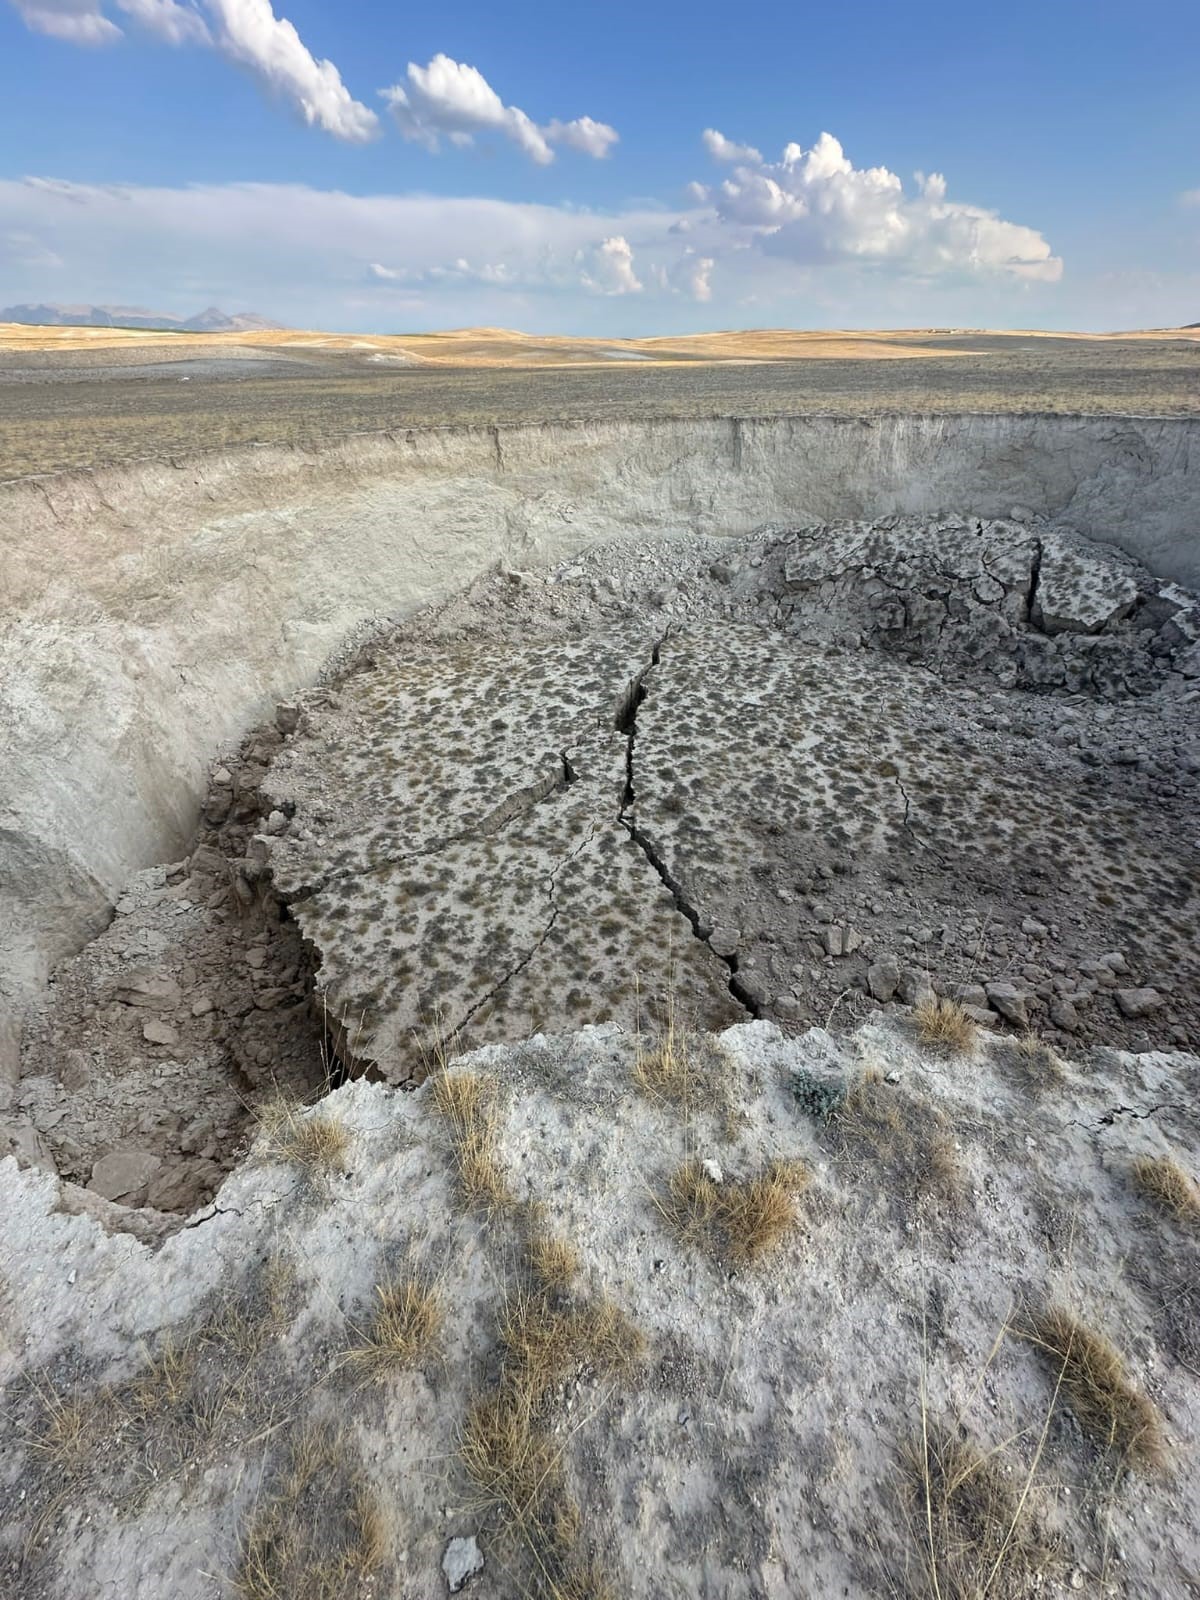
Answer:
(105, 402)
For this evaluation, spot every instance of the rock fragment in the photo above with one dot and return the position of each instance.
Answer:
(883, 978)
(462, 1561)
(1138, 1002)
(153, 991)
(1009, 1001)
(124, 1175)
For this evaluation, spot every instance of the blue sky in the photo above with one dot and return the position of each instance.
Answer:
(619, 169)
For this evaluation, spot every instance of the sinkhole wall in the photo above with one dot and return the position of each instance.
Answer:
(150, 613)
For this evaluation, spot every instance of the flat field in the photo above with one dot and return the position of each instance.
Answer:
(86, 397)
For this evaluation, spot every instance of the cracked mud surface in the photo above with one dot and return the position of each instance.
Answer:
(959, 754)
(803, 777)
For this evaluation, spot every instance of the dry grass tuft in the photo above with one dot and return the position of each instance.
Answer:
(314, 1141)
(543, 1343)
(975, 1525)
(945, 1025)
(553, 1260)
(467, 1102)
(67, 1430)
(1167, 1185)
(666, 1070)
(741, 1221)
(1032, 1059)
(1116, 1414)
(511, 1457)
(320, 1532)
(407, 1321)
(168, 1379)
(905, 1133)
(508, 1447)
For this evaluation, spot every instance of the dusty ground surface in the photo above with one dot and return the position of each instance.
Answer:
(89, 397)
(808, 777)
(594, 1363)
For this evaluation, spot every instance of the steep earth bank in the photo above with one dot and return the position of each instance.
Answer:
(152, 614)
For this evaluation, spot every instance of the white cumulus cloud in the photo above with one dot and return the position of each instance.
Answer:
(585, 134)
(246, 32)
(815, 205)
(78, 21)
(607, 268)
(172, 22)
(451, 100)
(722, 149)
(249, 32)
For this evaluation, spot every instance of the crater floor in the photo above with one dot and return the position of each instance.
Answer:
(805, 777)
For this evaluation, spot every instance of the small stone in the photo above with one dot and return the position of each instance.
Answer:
(183, 1186)
(1009, 1001)
(915, 988)
(981, 1016)
(1114, 960)
(787, 1007)
(852, 940)
(724, 942)
(1138, 1002)
(222, 778)
(123, 1175)
(1034, 928)
(156, 1031)
(75, 1070)
(712, 1169)
(276, 822)
(201, 1007)
(831, 938)
(256, 957)
(154, 991)
(462, 1561)
(1064, 1015)
(967, 994)
(883, 978)
(287, 718)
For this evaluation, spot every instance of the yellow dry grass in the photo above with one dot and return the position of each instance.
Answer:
(320, 1532)
(508, 1444)
(945, 1025)
(905, 1134)
(467, 1102)
(1168, 1186)
(317, 1142)
(1091, 1373)
(406, 1324)
(740, 1221)
(553, 1260)
(506, 347)
(974, 1523)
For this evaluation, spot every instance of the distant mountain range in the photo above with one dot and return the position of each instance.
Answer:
(212, 320)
